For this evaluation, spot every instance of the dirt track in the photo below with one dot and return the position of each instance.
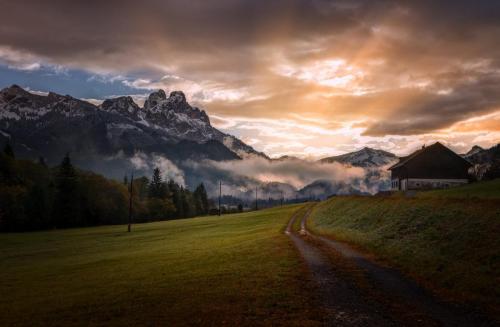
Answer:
(355, 291)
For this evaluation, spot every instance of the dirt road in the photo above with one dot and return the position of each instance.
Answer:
(355, 291)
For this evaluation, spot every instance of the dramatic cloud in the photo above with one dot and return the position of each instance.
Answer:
(288, 178)
(370, 70)
(297, 173)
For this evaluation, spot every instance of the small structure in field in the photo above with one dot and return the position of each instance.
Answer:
(431, 167)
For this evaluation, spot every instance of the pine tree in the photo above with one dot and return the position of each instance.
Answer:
(157, 188)
(67, 202)
(185, 203)
(175, 192)
(201, 200)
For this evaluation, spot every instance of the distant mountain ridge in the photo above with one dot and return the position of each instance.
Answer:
(486, 162)
(52, 125)
(365, 158)
(475, 149)
(119, 136)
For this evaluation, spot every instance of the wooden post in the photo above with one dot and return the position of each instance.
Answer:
(220, 195)
(131, 192)
(256, 200)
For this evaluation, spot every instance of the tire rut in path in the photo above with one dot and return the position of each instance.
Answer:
(391, 300)
(343, 304)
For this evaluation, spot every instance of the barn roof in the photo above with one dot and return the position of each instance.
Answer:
(414, 156)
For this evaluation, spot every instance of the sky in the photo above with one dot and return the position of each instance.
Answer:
(308, 78)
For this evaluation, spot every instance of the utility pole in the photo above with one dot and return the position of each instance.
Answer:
(220, 195)
(131, 192)
(256, 206)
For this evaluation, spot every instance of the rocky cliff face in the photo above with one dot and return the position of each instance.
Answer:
(53, 125)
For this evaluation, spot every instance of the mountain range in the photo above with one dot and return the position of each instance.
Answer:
(366, 157)
(119, 136)
(52, 125)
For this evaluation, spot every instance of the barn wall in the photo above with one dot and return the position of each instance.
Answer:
(425, 184)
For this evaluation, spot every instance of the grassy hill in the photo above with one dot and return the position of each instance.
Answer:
(482, 190)
(447, 239)
(236, 269)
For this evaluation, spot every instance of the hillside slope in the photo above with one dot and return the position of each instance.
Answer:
(449, 244)
(482, 190)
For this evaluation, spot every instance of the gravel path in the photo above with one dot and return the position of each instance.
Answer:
(355, 291)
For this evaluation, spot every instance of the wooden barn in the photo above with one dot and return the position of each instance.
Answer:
(431, 167)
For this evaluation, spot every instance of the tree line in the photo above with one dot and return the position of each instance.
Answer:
(34, 196)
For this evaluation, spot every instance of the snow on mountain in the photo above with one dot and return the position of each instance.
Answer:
(122, 106)
(366, 158)
(175, 117)
(118, 136)
(52, 125)
(18, 104)
(474, 150)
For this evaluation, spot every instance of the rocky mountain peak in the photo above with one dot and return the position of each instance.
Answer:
(14, 88)
(177, 96)
(366, 157)
(11, 92)
(154, 99)
(115, 125)
(475, 149)
(122, 105)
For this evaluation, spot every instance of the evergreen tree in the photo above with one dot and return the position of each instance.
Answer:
(7, 150)
(201, 200)
(175, 192)
(157, 188)
(125, 180)
(185, 203)
(67, 206)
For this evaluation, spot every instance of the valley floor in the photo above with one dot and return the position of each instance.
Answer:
(288, 266)
(231, 270)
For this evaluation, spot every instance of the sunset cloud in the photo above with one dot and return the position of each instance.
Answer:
(306, 78)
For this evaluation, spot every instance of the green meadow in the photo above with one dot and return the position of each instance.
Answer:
(447, 239)
(235, 270)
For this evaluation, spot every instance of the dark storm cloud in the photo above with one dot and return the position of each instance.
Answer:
(61, 28)
(113, 32)
(237, 45)
(430, 112)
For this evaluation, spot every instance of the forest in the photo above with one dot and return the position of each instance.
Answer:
(34, 196)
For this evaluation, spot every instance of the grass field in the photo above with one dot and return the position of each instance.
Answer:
(446, 239)
(483, 190)
(232, 270)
